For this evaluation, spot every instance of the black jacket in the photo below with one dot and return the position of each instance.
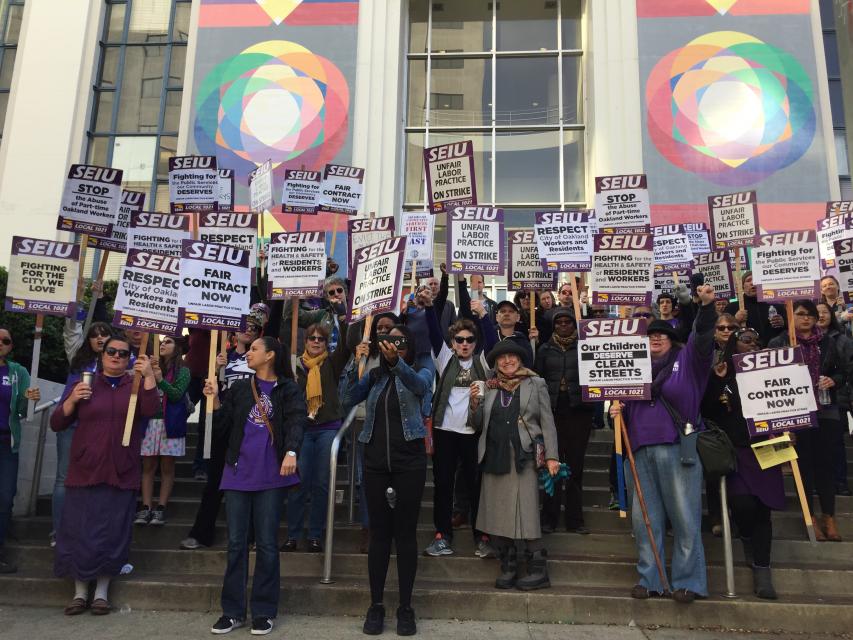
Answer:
(757, 317)
(832, 363)
(554, 365)
(288, 420)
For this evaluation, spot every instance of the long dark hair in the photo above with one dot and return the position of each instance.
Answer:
(176, 362)
(834, 326)
(374, 344)
(281, 361)
(731, 349)
(85, 355)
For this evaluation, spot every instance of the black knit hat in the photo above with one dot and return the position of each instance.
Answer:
(662, 326)
(505, 347)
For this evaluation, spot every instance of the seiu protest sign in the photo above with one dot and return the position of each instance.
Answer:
(42, 277)
(90, 200)
(147, 296)
(614, 362)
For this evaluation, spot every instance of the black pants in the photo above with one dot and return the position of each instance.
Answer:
(816, 450)
(453, 450)
(753, 521)
(574, 425)
(211, 498)
(399, 524)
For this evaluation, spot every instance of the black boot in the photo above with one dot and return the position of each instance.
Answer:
(406, 625)
(374, 621)
(747, 551)
(763, 583)
(509, 568)
(537, 572)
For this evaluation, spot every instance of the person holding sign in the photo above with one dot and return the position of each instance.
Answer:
(518, 440)
(394, 468)
(262, 419)
(15, 391)
(757, 315)
(830, 293)
(753, 492)
(665, 454)
(93, 540)
(816, 447)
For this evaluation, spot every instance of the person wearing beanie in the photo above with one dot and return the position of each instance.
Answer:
(757, 315)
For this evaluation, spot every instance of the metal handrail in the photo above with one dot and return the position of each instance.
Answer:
(727, 541)
(39, 461)
(330, 506)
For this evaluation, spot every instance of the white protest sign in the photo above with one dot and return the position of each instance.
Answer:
(42, 277)
(363, 232)
(260, 188)
(665, 280)
(418, 229)
(564, 239)
(475, 241)
(776, 391)
(225, 192)
(525, 267)
(90, 200)
(622, 203)
(131, 201)
(614, 362)
(193, 184)
(785, 266)
(450, 176)
(622, 269)
(341, 190)
(734, 219)
(672, 248)
(214, 289)
(828, 231)
(234, 229)
(377, 278)
(300, 190)
(717, 269)
(844, 263)
(297, 264)
(699, 237)
(158, 232)
(147, 295)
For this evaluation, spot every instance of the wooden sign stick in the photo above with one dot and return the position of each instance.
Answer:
(795, 467)
(739, 279)
(34, 369)
(97, 292)
(414, 277)
(134, 394)
(365, 338)
(81, 281)
(294, 329)
(208, 405)
(532, 305)
(223, 349)
(334, 236)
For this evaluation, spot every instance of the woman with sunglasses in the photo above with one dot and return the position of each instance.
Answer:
(329, 314)
(394, 468)
(262, 420)
(93, 538)
(15, 391)
(816, 447)
(83, 359)
(165, 435)
(317, 373)
(753, 492)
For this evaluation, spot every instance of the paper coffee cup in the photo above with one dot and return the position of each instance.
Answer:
(481, 388)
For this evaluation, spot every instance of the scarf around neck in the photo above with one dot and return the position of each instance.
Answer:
(314, 382)
(565, 343)
(509, 384)
(810, 346)
(662, 369)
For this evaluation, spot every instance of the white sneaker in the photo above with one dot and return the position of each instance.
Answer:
(262, 626)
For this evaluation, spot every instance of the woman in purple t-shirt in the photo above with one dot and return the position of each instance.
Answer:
(262, 420)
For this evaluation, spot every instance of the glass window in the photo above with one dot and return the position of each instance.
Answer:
(527, 91)
(527, 166)
(830, 46)
(141, 85)
(161, 197)
(11, 14)
(176, 66)
(172, 116)
(418, 25)
(114, 25)
(573, 167)
(572, 90)
(135, 156)
(841, 153)
(181, 28)
(98, 149)
(7, 67)
(572, 13)
(4, 103)
(413, 187)
(13, 24)
(417, 93)
(472, 83)
(526, 26)
(461, 25)
(149, 21)
(827, 14)
(168, 149)
(109, 66)
(836, 102)
(104, 101)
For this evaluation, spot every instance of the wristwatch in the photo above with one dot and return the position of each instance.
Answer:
(291, 453)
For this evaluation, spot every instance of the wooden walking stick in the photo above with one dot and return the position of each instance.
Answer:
(134, 394)
(621, 428)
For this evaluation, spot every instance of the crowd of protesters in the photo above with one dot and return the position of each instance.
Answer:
(489, 391)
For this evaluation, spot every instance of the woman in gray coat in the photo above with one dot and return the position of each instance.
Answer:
(515, 413)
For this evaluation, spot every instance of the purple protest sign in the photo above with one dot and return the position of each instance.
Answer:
(622, 204)
(131, 202)
(147, 295)
(785, 266)
(776, 391)
(829, 230)
(525, 267)
(193, 184)
(90, 200)
(214, 287)
(838, 207)
(377, 278)
(300, 190)
(699, 237)
(450, 176)
(475, 241)
(564, 239)
(614, 362)
(672, 249)
(363, 232)
(717, 269)
(844, 263)
(622, 269)
(341, 190)
(297, 264)
(42, 277)
(158, 232)
(734, 219)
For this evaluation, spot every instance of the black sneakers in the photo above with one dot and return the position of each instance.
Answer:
(374, 621)
(406, 621)
(226, 625)
(261, 626)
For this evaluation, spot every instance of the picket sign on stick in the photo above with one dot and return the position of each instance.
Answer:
(97, 291)
(134, 394)
(795, 467)
(294, 328)
(739, 279)
(81, 280)
(365, 339)
(223, 349)
(334, 234)
(208, 404)
(31, 406)
(532, 305)
(414, 276)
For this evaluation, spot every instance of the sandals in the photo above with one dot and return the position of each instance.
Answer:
(77, 606)
(100, 607)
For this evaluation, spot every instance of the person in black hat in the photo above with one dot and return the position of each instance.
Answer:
(507, 317)
(758, 315)
(513, 415)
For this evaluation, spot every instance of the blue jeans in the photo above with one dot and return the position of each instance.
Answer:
(264, 508)
(671, 490)
(63, 454)
(313, 483)
(8, 487)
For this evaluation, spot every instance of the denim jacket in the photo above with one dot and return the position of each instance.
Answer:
(412, 387)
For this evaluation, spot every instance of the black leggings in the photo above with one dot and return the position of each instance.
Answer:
(574, 425)
(399, 524)
(816, 449)
(752, 518)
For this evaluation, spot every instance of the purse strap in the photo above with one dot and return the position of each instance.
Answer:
(261, 410)
(680, 423)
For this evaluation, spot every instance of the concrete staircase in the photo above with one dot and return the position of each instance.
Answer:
(591, 575)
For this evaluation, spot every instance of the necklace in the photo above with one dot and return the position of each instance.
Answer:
(506, 398)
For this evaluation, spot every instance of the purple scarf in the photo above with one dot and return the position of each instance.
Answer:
(810, 346)
(662, 369)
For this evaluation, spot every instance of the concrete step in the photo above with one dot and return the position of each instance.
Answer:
(470, 600)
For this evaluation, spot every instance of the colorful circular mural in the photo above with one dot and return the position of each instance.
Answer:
(730, 108)
(275, 100)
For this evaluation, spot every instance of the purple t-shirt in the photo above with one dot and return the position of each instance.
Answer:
(5, 401)
(257, 467)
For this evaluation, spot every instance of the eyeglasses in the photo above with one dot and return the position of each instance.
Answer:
(121, 353)
(748, 338)
(727, 327)
(335, 291)
(6, 341)
(251, 328)
(804, 314)
(641, 315)
(317, 338)
(464, 339)
(658, 336)
(166, 341)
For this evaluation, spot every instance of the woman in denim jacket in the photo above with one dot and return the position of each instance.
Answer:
(394, 468)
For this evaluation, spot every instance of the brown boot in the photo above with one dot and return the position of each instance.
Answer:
(830, 528)
(818, 530)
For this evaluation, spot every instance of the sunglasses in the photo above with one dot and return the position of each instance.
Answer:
(5, 341)
(464, 339)
(121, 353)
(251, 328)
(804, 314)
(336, 291)
(727, 327)
(641, 315)
(748, 339)
(317, 338)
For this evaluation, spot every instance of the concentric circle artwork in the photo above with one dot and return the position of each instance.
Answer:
(730, 108)
(275, 100)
